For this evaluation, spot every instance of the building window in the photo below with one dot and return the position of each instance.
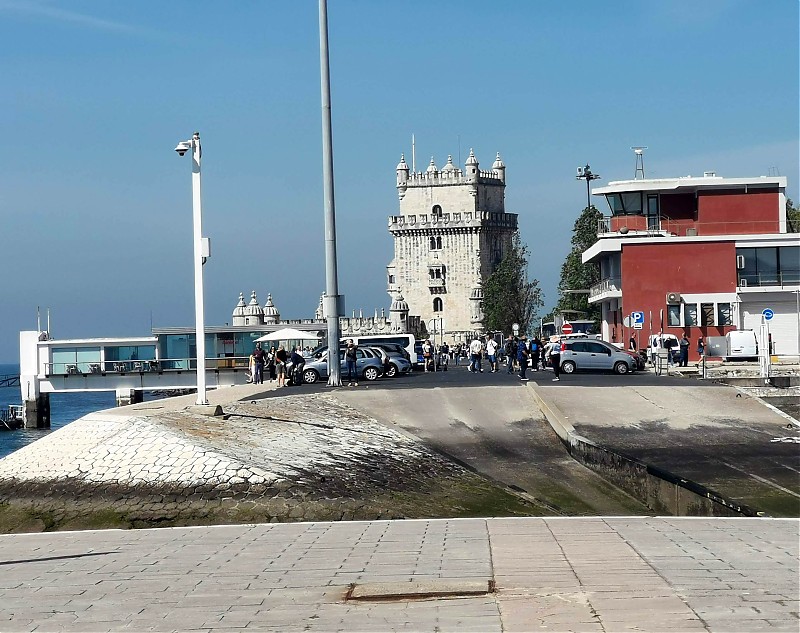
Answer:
(724, 314)
(436, 212)
(690, 314)
(391, 279)
(706, 314)
(436, 243)
(674, 316)
(768, 266)
(437, 305)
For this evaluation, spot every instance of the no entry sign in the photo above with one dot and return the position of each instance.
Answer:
(566, 328)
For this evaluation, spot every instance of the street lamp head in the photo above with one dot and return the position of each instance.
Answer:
(183, 147)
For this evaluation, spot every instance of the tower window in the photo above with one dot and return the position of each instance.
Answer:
(437, 305)
(436, 212)
(436, 243)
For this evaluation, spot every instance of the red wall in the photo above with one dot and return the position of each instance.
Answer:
(650, 271)
(730, 212)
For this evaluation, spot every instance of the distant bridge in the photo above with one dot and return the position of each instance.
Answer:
(9, 380)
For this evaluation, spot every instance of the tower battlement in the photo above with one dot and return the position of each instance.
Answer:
(452, 221)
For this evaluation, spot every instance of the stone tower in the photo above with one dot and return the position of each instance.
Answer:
(451, 234)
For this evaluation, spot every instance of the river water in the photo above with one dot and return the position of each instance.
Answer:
(64, 408)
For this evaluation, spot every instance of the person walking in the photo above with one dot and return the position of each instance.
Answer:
(522, 357)
(444, 356)
(632, 343)
(251, 368)
(555, 357)
(510, 349)
(701, 347)
(491, 353)
(281, 357)
(475, 351)
(271, 363)
(260, 357)
(427, 355)
(536, 350)
(684, 351)
(350, 357)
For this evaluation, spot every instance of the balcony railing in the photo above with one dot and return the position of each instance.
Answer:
(436, 282)
(779, 279)
(663, 225)
(606, 286)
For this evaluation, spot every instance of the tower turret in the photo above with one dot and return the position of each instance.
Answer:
(402, 176)
(271, 314)
(472, 167)
(239, 316)
(499, 167)
(398, 314)
(253, 314)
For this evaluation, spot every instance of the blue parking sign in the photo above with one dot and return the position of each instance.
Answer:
(637, 318)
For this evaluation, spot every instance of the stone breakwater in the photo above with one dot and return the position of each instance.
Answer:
(279, 458)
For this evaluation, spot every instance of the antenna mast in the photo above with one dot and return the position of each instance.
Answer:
(413, 155)
(639, 151)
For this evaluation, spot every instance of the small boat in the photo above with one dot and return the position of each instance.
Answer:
(11, 418)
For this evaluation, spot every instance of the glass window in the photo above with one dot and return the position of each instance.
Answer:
(437, 305)
(578, 346)
(706, 314)
(724, 314)
(750, 271)
(674, 316)
(614, 203)
(596, 348)
(789, 263)
(690, 314)
(767, 262)
(632, 203)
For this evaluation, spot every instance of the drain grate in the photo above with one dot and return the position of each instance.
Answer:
(419, 589)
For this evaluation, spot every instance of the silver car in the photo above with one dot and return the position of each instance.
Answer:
(368, 366)
(592, 355)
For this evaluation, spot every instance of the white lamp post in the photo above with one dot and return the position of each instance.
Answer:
(201, 253)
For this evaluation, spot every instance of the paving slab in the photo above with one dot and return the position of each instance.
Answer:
(643, 574)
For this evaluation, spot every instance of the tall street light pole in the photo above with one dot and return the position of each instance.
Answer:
(333, 304)
(201, 253)
(585, 173)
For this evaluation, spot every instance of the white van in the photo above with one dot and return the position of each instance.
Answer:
(657, 341)
(742, 344)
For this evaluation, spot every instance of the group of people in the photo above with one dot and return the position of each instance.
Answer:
(274, 362)
(683, 348)
(520, 354)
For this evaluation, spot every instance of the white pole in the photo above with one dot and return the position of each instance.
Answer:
(200, 329)
(332, 298)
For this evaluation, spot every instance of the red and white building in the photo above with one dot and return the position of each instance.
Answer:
(697, 255)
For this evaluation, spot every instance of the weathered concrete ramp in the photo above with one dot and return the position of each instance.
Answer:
(499, 432)
(707, 433)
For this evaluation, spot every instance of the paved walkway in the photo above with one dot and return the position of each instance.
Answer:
(560, 574)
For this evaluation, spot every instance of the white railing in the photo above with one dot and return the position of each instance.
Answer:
(610, 284)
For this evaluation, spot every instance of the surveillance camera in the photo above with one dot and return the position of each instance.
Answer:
(183, 147)
(580, 172)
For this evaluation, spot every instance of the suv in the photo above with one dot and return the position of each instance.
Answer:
(595, 355)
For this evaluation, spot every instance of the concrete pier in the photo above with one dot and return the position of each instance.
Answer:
(36, 412)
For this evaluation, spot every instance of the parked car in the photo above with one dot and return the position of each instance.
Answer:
(393, 363)
(396, 351)
(595, 355)
(368, 366)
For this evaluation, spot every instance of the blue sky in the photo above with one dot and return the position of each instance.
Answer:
(95, 207)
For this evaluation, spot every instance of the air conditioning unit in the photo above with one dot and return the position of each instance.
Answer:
(743, 283)
(691, 232)
(740, 262)
(673, 297)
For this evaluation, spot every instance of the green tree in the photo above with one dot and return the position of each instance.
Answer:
(792, 217)
(508, 295)
(575, 275)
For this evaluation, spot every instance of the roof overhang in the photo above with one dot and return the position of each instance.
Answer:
(614, 244)
(690, 184)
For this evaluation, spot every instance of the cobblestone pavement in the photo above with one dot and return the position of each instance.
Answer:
(273, 456)
(554, 574)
